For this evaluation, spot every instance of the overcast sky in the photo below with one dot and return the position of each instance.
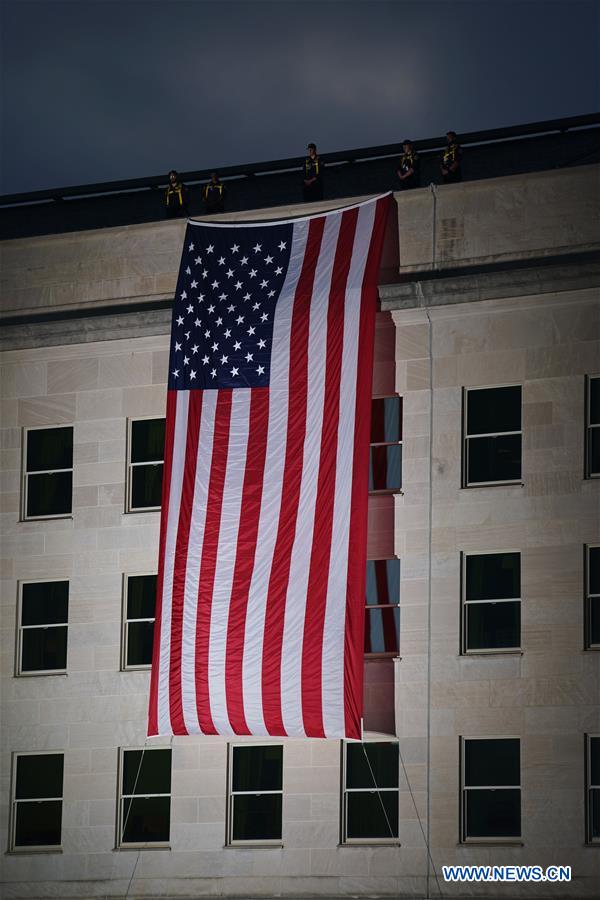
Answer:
(97, 90)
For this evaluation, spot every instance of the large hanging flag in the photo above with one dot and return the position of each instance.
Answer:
(261, 578)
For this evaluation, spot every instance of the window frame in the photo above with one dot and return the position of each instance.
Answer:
(495, 839)
(19, 673)
(129, 508)
(466, 437)
(588, 596)
(344, 790)
(589, 838)
(384, 654)
(229, 817)
(125, 667)
(464, 604)
(120, 844)
(25, 474)
(589, 426)
(32, 848)
(400, 397)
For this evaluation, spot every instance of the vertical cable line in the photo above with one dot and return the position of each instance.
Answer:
(392, 835)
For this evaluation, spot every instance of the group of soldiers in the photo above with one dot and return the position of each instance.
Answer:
(214, 192)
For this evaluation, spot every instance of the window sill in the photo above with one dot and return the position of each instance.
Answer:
(136, 847)
(253, 845)
(491, 842)
(42, 674)
(512, 651)
(33, 851)
(142, 509)
(145, 668)
(374, 842)
(23, 520)
(386, 491)
(489, 484)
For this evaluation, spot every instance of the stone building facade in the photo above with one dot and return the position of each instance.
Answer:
(490, 286)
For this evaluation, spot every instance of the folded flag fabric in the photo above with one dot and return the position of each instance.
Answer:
(260, 591)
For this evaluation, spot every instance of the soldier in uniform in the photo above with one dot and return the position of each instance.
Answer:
(213, 195)
(450, 162)
(408, 167)
(313, 175)
(176, 196)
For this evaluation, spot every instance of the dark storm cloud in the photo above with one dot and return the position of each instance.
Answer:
(96, 90)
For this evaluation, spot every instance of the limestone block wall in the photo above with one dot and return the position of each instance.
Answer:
(548, 694)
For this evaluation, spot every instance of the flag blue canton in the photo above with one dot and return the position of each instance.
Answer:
(227, 290)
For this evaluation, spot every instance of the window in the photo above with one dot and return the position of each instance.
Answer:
(491, 788)
(592, 598)
(492, 447)
(255, 794)
(382, 614)
(146, 454)
(48, 472)
(144, 797)
(592, 780)
(491, 602)
(37, 781)
(43, 625)
(370, 796)
(592, 444)
(385, 469)
(138, 620)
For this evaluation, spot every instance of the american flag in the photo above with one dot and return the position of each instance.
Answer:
(261, 580)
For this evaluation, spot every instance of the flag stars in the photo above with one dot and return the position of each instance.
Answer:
(192, 374)
(239, 320)
(282, 245)
(264, 283)
(238, 285)
(190, 308)
(198, 261)
(271, 294)
(205, 360)
(187, 335)
(229, 273)
(222, 296)
(200, 298)
(237, 345)
(264, 317)
(249, 357)
(246, 296)
(215, 347)
(278, 270)
(227, 333)
(244, 261)
(234, 372)
(224, 359)
(205, 273)
(195, 348)
(211, 309)
(255, 306)
(191, 247)
(221, 260)
(186, 361)
(177, 346)
(213, 373)
(268, 260)
(231, 308)
(179, 320)
(262, 344)
(215, 284)
(219, 321)
(253, 273)
(210, 248)
(188, 271)
(194, 284)
(197, 323)
(235, 248)
(207, 333)
(175, 373)
(257, 248)
(251, 330)
(260, 370)
(183, 295)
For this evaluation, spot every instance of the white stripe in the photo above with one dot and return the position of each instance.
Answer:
(192, 574)
(179, 445)
(273, 480)
(295, 604)
(335, 610)
(226, 555)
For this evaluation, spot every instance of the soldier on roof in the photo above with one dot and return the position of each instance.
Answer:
(176, 196)
(451, 158)
(313, 175)
(213, 195)
(408, 166)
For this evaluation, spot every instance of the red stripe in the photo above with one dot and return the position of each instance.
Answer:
(181, 555)
(292, 479)
(244, 563)
(166, 490)
(208, 563)
(355, 615)
(316, 600)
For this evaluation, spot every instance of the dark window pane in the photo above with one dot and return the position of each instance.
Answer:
(594, 625)
(493, 625)
(147, 440)
(594, 570)
(49, 495)
(372, 815)
(385, 468)
(493, 813)
(39, 775)
(379, 768)
(382, 630)
(386, 420)
(140, 640)
(594, 451)
(595, 761)
(494, 459)
(38, 824)
(257, 817)
(257, 768)
(493, 576)
(595, 813)
(49, 448)
(43, 649)
(146, 488)
(492, 762)
(594, 401)
(494, 409)
(141, 596)
(146, 820)
(154, 775)
(45, 602)
(383, 581)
